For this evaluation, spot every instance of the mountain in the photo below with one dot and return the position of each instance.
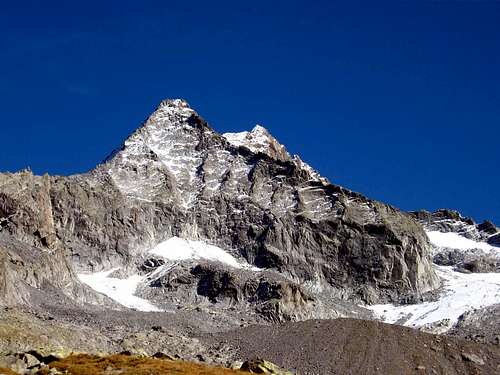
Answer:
(175, 177)
(207, 232)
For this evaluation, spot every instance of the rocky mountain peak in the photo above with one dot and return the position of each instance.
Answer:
(174, 103)
(259, 140)
(259, 129)
(175, 157)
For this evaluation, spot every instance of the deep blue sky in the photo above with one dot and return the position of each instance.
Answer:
(397, 100)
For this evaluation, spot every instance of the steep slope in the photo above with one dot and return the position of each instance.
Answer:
(32, 258)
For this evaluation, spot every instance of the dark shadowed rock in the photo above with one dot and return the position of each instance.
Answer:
(494, 240)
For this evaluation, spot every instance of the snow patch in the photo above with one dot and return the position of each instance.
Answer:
(453, 240)
(258, 140)
(179, 249)
(119, 290)
(236, 139)
(462, 293)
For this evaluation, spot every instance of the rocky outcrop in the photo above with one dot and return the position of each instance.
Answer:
(471, 249)
(266, 294)
(482, 325)
(446, 221)
(26, 209)
(175, 176)
(467, 261)
(33, 260)
(261, 366)
(259, 140)
(494, 240)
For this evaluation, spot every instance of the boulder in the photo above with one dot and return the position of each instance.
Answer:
(470, 357)
(260, 366)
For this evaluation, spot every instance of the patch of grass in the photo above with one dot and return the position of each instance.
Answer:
(129, 365)
(6, 371)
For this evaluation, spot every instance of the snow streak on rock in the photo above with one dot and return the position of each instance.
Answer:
(174, 158)
(259, 140)
(165, 150)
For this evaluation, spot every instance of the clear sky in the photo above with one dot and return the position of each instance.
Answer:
(398, 100)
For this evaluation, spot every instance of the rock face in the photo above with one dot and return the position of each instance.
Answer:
(175, 176)
(470, 247)
(266, 294)
(494, 239)
(32, 258)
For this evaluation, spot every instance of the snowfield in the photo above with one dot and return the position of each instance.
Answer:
(119, 290)
(461, 292)
(179, 249)
(455, 241)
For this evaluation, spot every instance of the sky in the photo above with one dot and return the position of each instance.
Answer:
(398, 100)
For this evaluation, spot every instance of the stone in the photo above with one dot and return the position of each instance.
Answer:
(260, 366)
(164, 356)
(31, 361)
(8, 360)
(487, 227)
(494, 240)
(236, 365)
(19, 366)
(470, 357)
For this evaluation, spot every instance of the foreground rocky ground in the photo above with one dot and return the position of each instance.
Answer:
(350, 346)
(340, 346)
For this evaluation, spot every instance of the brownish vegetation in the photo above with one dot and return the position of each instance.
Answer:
(130, 365)
(6, 371)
